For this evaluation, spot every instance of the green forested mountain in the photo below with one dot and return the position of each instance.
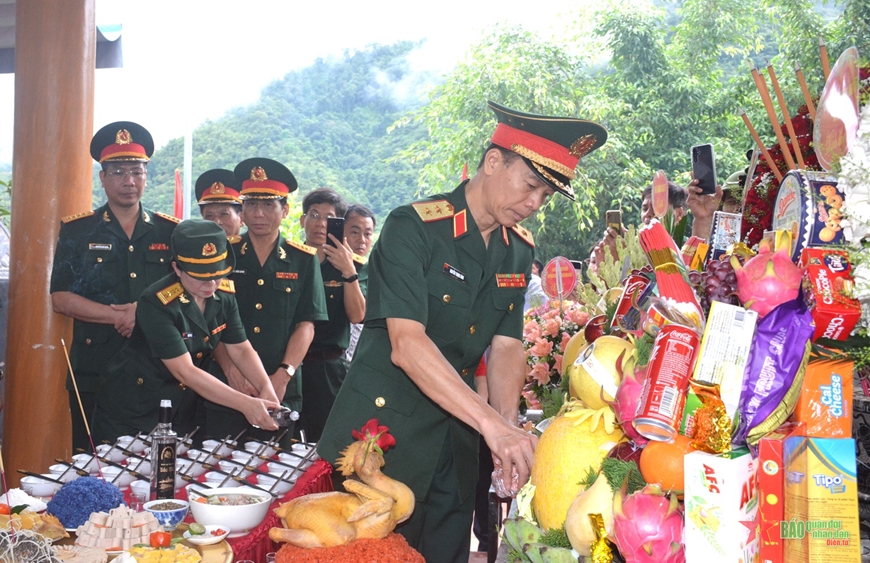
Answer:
(327, 122)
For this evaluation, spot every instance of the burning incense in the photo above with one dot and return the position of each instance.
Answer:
(808, 99)
(785, 116)
(82, 408)
(767, 158)
(823, 54)
(771, 114)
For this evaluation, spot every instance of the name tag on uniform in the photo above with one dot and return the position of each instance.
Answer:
(241, 272)
(510, 280)
(186, 335)
(453, 272)
(99, 246)
(218, 329)
(158, 246)
(287, 275)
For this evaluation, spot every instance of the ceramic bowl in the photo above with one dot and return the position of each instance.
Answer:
(215, 447)
(85, 462)
(233, 468)
(117, 476)
(268, 482)
(260, 448)
(106, 451)
(215, 479)
(168, 518)
(36, 487)
(240, 519)
(209, 537)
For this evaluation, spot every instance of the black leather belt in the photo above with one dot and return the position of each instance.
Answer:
(324, 354)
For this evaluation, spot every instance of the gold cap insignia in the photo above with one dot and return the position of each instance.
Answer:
(583, 145)
(122, 137)
(209, 249)
(258, 174)
(217, 188)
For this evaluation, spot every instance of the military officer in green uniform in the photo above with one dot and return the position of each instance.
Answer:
(344, 288)
(279, 291)
(104, 259)
(180, 320)
(218, 195)
(447, 279)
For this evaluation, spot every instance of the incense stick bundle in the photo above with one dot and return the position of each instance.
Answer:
(675, 289)
(808, 99)
(761, 85)
(658, 245)
(786, 117)
(823, 55)
(764, 153)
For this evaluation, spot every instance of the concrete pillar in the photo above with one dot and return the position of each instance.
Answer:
(55, 49)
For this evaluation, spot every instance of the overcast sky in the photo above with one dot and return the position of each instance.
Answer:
(186, 61)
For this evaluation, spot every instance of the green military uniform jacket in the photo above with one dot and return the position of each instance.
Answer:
(273, 299)
(95, 259)
(168, 325)
(335, 332)
(431, 265)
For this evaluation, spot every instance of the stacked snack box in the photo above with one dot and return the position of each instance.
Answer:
(821, 501)
(721, 505)
(771, 489)
(825, 403)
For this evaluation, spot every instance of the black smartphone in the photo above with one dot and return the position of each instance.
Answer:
(614, 219)
(704, 168)
(334, 227)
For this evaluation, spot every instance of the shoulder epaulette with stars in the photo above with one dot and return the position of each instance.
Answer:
(234, 239)
(70, 218)
(175, 220)
(169, 294)
(433, 210)
(227, 286)
(359, 259)
(303, 247)
(524, 234)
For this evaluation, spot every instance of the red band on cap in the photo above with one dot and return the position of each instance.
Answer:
(228, 194)
(506, 136)
(271, 186)
(130, 150)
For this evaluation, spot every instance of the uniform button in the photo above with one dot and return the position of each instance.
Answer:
(256, 330)
(380, 402)
(133, 275)
(258, 306)
(131, 248)
(511, 307)
(140, 381)
(161, 260)
(88, 341)
(332, 296)
(198, 355)
(260, 282)
(287, 289)
(472, 329)
(183, 386)
(99, 259)
(446, 299)
(464, 372)
(205, 339)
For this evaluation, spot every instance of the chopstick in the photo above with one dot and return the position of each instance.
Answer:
(43, 477)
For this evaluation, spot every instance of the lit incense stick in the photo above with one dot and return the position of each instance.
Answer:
(823, 54)
(6, 489)
(771, 114)
(785, 116)
(767, 158)
(806, 91)
(82, 408)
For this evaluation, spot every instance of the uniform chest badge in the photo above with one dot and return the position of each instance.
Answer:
(453, 272)
(158, 246)
(332, 283)
(287, 275)
(186, 335)
(510, 280)
(99, 246)
(219, 328)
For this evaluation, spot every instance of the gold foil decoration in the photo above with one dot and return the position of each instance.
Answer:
(600, 549)
(712, 426)
(740, 249)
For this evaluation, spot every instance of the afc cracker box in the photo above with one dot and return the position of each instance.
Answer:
(821, 501)
(828, 273)
(721, 505)
(771, 487)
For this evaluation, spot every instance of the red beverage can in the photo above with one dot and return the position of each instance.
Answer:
(664, 391)
(634, 286)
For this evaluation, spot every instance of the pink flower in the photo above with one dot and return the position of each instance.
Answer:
(551, 314)
(565, 338)
(532, 331)
(531, 399)
(578, 317)
(552, 327)
(557, 362)
(540, 373)
(541, 348)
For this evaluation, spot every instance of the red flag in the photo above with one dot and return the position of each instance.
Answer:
(179, 196)
(465, 172)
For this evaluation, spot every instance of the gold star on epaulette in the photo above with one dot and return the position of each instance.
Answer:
(433, 210)
(175, 220)
(359, 259)
(70, 218)
(169, 294)
(524, 234)
(227, 286)
(233, 239)
(303, 247)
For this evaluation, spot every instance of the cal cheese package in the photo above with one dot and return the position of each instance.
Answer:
(825, 402)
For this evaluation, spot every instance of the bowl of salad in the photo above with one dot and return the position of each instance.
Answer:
(240, 509)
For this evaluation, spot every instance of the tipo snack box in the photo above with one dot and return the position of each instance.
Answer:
(821, 501)
(771, 489)
(721, 504)
(828, 272)
(825, 401)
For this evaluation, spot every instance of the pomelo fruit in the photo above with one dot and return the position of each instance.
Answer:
(595, 369)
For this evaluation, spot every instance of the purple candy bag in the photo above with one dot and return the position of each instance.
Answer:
(774, 359)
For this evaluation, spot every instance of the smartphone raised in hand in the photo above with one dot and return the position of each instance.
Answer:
(334, 227)
(704, 168)
(614, 219)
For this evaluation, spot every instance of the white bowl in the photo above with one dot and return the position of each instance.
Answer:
(214, 480)
(260, 448)
(36, 487)
(242, 456)
(239, 519)
(200, 456)
(182, 447)
(267, 482)
(233, 468)
(59, 469)
(225, 449)
(277, 469)
(140, 465)
(142, 488)
(106, 451)
(85, 462)
(134, 444)
(293, 460)
(207, 538)
(302, 449)
(117, 476)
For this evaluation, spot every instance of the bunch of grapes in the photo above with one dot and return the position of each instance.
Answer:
(717, 283)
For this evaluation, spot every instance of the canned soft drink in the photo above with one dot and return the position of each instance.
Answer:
(634, 285)
(664, 391)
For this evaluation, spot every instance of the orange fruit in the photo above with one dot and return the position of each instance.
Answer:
(662, 463)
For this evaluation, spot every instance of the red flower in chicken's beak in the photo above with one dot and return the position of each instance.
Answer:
(376, 435)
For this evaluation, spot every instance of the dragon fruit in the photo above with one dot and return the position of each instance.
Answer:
(768, 279)
(648, 526)
(627, 398)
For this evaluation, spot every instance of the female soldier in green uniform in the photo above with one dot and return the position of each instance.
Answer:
(179, 321)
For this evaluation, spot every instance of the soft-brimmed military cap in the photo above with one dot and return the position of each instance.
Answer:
(200, 249)
(217, 186)
(735, 182)
(551, 146)
(122, 141)
(264, 178)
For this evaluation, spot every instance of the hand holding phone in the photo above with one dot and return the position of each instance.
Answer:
(614, 220)
(704, 168)
(334, 227)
